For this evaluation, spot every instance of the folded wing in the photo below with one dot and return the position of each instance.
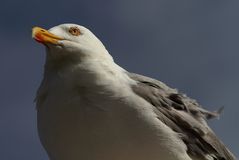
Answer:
(184, 116)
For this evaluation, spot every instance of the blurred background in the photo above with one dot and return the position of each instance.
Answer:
(191, 45)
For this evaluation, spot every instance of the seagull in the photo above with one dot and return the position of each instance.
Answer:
(90, 108)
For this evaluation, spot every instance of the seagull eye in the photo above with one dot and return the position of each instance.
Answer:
(75, 31)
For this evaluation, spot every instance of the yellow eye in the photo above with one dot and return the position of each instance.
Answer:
(75, 31)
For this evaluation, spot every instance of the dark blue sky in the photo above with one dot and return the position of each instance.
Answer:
(189, 44)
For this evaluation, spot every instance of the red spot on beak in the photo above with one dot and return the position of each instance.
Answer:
(39, 38)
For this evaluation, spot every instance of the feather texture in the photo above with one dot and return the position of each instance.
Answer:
(183, 115)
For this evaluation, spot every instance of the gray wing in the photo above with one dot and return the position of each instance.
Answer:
(184, 116)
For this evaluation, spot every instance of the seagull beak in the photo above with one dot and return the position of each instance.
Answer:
(43, 36)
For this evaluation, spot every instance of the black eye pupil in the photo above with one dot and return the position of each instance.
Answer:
(74, 31)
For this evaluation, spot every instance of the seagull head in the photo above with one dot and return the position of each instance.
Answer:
(70, 42)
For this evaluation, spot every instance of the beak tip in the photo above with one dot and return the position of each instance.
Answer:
(43, 36)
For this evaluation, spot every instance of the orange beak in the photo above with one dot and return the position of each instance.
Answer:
(43, 36)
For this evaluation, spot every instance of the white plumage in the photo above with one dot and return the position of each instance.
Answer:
(89, 108)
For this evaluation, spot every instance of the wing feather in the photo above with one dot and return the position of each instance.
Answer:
(184, 116)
